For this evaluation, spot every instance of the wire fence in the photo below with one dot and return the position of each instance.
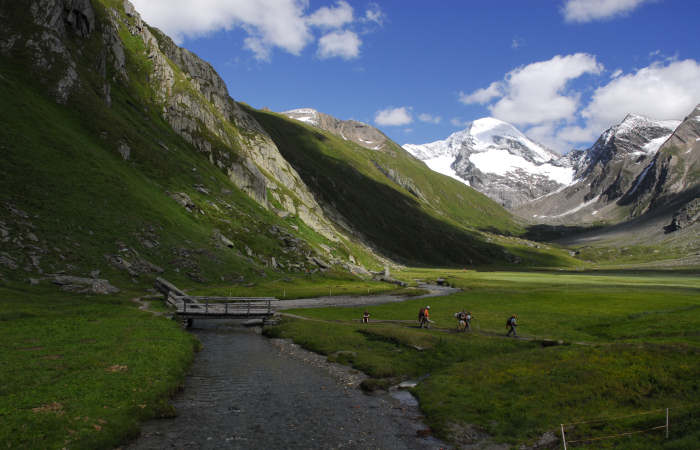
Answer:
(583, 432)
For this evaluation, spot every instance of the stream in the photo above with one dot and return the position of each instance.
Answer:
(247, 391)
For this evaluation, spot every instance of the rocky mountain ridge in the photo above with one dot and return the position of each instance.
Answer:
(608, 171)
(350, 130)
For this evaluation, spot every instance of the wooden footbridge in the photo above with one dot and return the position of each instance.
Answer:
(188, 307)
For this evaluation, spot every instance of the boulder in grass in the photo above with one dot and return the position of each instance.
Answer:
(83, 285)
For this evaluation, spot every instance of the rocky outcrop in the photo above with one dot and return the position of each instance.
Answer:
(686, 216)
(401, 180)
(83, 285)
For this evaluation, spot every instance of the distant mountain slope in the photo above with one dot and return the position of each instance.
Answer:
(607, 172)
(497, 159)
(393, 202)
(672, 178)
(358, 132)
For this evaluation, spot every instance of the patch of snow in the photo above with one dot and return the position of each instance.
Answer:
(501, 162)
(641, 177)
(697, 118)
(594, 213)
(306, 119)
(652, 146)
(343, 136)
(441, 164)
(557, 191)
(306, 115)
(366, 142)
(579, 207)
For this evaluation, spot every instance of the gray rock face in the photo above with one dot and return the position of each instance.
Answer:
(351, 130)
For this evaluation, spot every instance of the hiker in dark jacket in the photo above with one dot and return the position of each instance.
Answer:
(511, 324)
(365, 317)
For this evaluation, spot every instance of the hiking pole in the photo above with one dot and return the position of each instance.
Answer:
(563, 437)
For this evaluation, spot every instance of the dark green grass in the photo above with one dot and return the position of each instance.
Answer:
(82, 371)
(640, 353)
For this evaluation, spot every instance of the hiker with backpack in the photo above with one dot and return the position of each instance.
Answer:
(424, 317)
(464, 320)
(511, 324)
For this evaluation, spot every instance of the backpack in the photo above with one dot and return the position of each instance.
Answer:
(508, 322)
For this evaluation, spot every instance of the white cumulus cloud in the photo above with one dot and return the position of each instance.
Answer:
(538, 97)
(590, 10)
(662, 90)
(484, 95)
(428, 118)
(269, 24)
(394, 116)
(335, 17)
(343, 44)
(537, 93)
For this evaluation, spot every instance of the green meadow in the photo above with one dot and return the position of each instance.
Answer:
(293, 286)
(629, 344)
(82, 371)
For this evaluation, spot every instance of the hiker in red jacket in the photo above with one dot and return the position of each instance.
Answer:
(424, 317)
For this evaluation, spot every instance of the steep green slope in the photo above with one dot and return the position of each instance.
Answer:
(394, 202)
(108, 185)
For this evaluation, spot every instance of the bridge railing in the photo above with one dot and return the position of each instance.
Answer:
(234, 306)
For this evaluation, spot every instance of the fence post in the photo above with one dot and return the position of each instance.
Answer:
(563, 437)
(206, 307)
(666, 423)
(226, 308)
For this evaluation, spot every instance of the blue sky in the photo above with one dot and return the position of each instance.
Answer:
(561, 70)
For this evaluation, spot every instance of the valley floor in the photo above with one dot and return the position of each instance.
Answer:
(630, 346)
(82, 371)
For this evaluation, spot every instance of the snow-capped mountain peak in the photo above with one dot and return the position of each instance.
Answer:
(498, 159)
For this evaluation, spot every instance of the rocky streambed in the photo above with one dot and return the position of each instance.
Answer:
(247, 391)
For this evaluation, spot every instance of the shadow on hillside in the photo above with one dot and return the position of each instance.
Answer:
(548, 233)
(387, 220)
